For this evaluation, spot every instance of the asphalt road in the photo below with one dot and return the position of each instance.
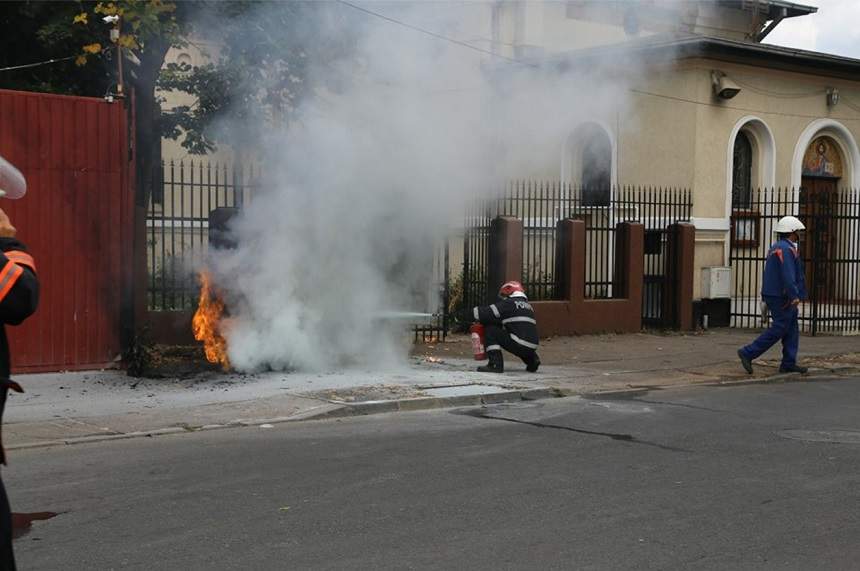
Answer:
(748, 477)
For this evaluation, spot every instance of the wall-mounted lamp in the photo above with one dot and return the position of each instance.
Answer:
(723, 87)
(832, 96)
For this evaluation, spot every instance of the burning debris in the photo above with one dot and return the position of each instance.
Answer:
(207, 320)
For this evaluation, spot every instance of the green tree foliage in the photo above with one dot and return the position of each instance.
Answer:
(267, 61)
(259, 73)
(40, 31)
(74, 33)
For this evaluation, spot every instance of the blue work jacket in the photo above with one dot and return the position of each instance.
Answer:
(783, 272)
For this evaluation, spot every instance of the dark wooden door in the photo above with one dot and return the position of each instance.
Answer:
(818, 243)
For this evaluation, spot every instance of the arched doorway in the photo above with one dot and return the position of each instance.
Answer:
(821, 170)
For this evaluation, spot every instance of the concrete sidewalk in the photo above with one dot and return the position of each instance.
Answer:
(70, 408)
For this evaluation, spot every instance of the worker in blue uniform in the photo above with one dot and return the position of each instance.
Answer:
(783, 288)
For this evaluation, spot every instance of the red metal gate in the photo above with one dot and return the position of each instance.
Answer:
(77, 220)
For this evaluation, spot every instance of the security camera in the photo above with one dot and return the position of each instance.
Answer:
(110, 19)
(723, 87)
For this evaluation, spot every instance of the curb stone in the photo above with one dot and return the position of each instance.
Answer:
(619, 393)
(334, 409)
(541, 394)
(777, 378)
(496, 398)
(339, 409)
(99, 438)
(125, 435)
(28, 445)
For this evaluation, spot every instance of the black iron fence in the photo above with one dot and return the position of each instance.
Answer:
(830, 249)
(177, 225)
(436, 328)
(541, 205)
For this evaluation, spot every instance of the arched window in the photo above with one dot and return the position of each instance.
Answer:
(596, 169)
(742, 161)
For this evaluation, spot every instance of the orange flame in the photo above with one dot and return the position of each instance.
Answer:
(207, 323)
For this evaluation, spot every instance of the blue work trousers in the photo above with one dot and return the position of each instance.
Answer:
(783, 327)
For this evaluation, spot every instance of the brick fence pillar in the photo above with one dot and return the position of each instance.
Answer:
(678, 295)
(570, 258)
(630, 262)
(505, 254)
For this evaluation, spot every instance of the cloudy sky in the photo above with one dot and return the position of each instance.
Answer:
(834, 29)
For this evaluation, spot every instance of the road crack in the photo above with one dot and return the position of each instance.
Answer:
(477, 413)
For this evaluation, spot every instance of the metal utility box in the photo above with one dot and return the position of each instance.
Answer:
(716, 282)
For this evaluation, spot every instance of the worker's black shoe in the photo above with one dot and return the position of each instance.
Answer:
(533, 364)
(745, 361)
(793, 369)
(496, 363)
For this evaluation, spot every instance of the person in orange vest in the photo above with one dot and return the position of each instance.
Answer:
(19, 296)
(509, 324)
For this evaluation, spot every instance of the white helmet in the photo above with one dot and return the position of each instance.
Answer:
(788, 224)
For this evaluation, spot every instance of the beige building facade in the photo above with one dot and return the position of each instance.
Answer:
(684, 136)
(700, 91)
(674, 129)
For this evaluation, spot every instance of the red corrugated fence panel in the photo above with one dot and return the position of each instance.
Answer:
(73, 152)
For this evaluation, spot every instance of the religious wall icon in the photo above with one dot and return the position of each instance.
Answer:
(822, 159)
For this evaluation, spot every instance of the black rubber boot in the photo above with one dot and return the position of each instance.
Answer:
(533, 364)
(745, 361)
(496, 363)
(793, 369)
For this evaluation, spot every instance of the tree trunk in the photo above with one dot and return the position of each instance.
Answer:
(147, 146)
(148, 111)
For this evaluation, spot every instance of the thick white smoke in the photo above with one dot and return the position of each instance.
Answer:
(362, 186)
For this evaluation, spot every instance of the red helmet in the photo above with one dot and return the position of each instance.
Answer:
(510, 288)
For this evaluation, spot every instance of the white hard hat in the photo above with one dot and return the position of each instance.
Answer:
(12, 183)
(788, 224)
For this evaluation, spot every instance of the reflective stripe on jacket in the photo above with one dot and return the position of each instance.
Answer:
(19, 296)
(516, 315)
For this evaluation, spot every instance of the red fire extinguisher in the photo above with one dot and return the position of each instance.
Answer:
(477, 332)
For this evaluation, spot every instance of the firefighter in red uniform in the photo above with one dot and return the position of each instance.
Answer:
(19, 295)
(509, 324)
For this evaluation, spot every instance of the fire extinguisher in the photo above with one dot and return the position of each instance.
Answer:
(477, 332)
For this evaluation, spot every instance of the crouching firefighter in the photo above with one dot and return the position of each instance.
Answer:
(509, 324)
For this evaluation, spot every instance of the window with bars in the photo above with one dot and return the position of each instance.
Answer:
(742, 160)
(597, 170)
